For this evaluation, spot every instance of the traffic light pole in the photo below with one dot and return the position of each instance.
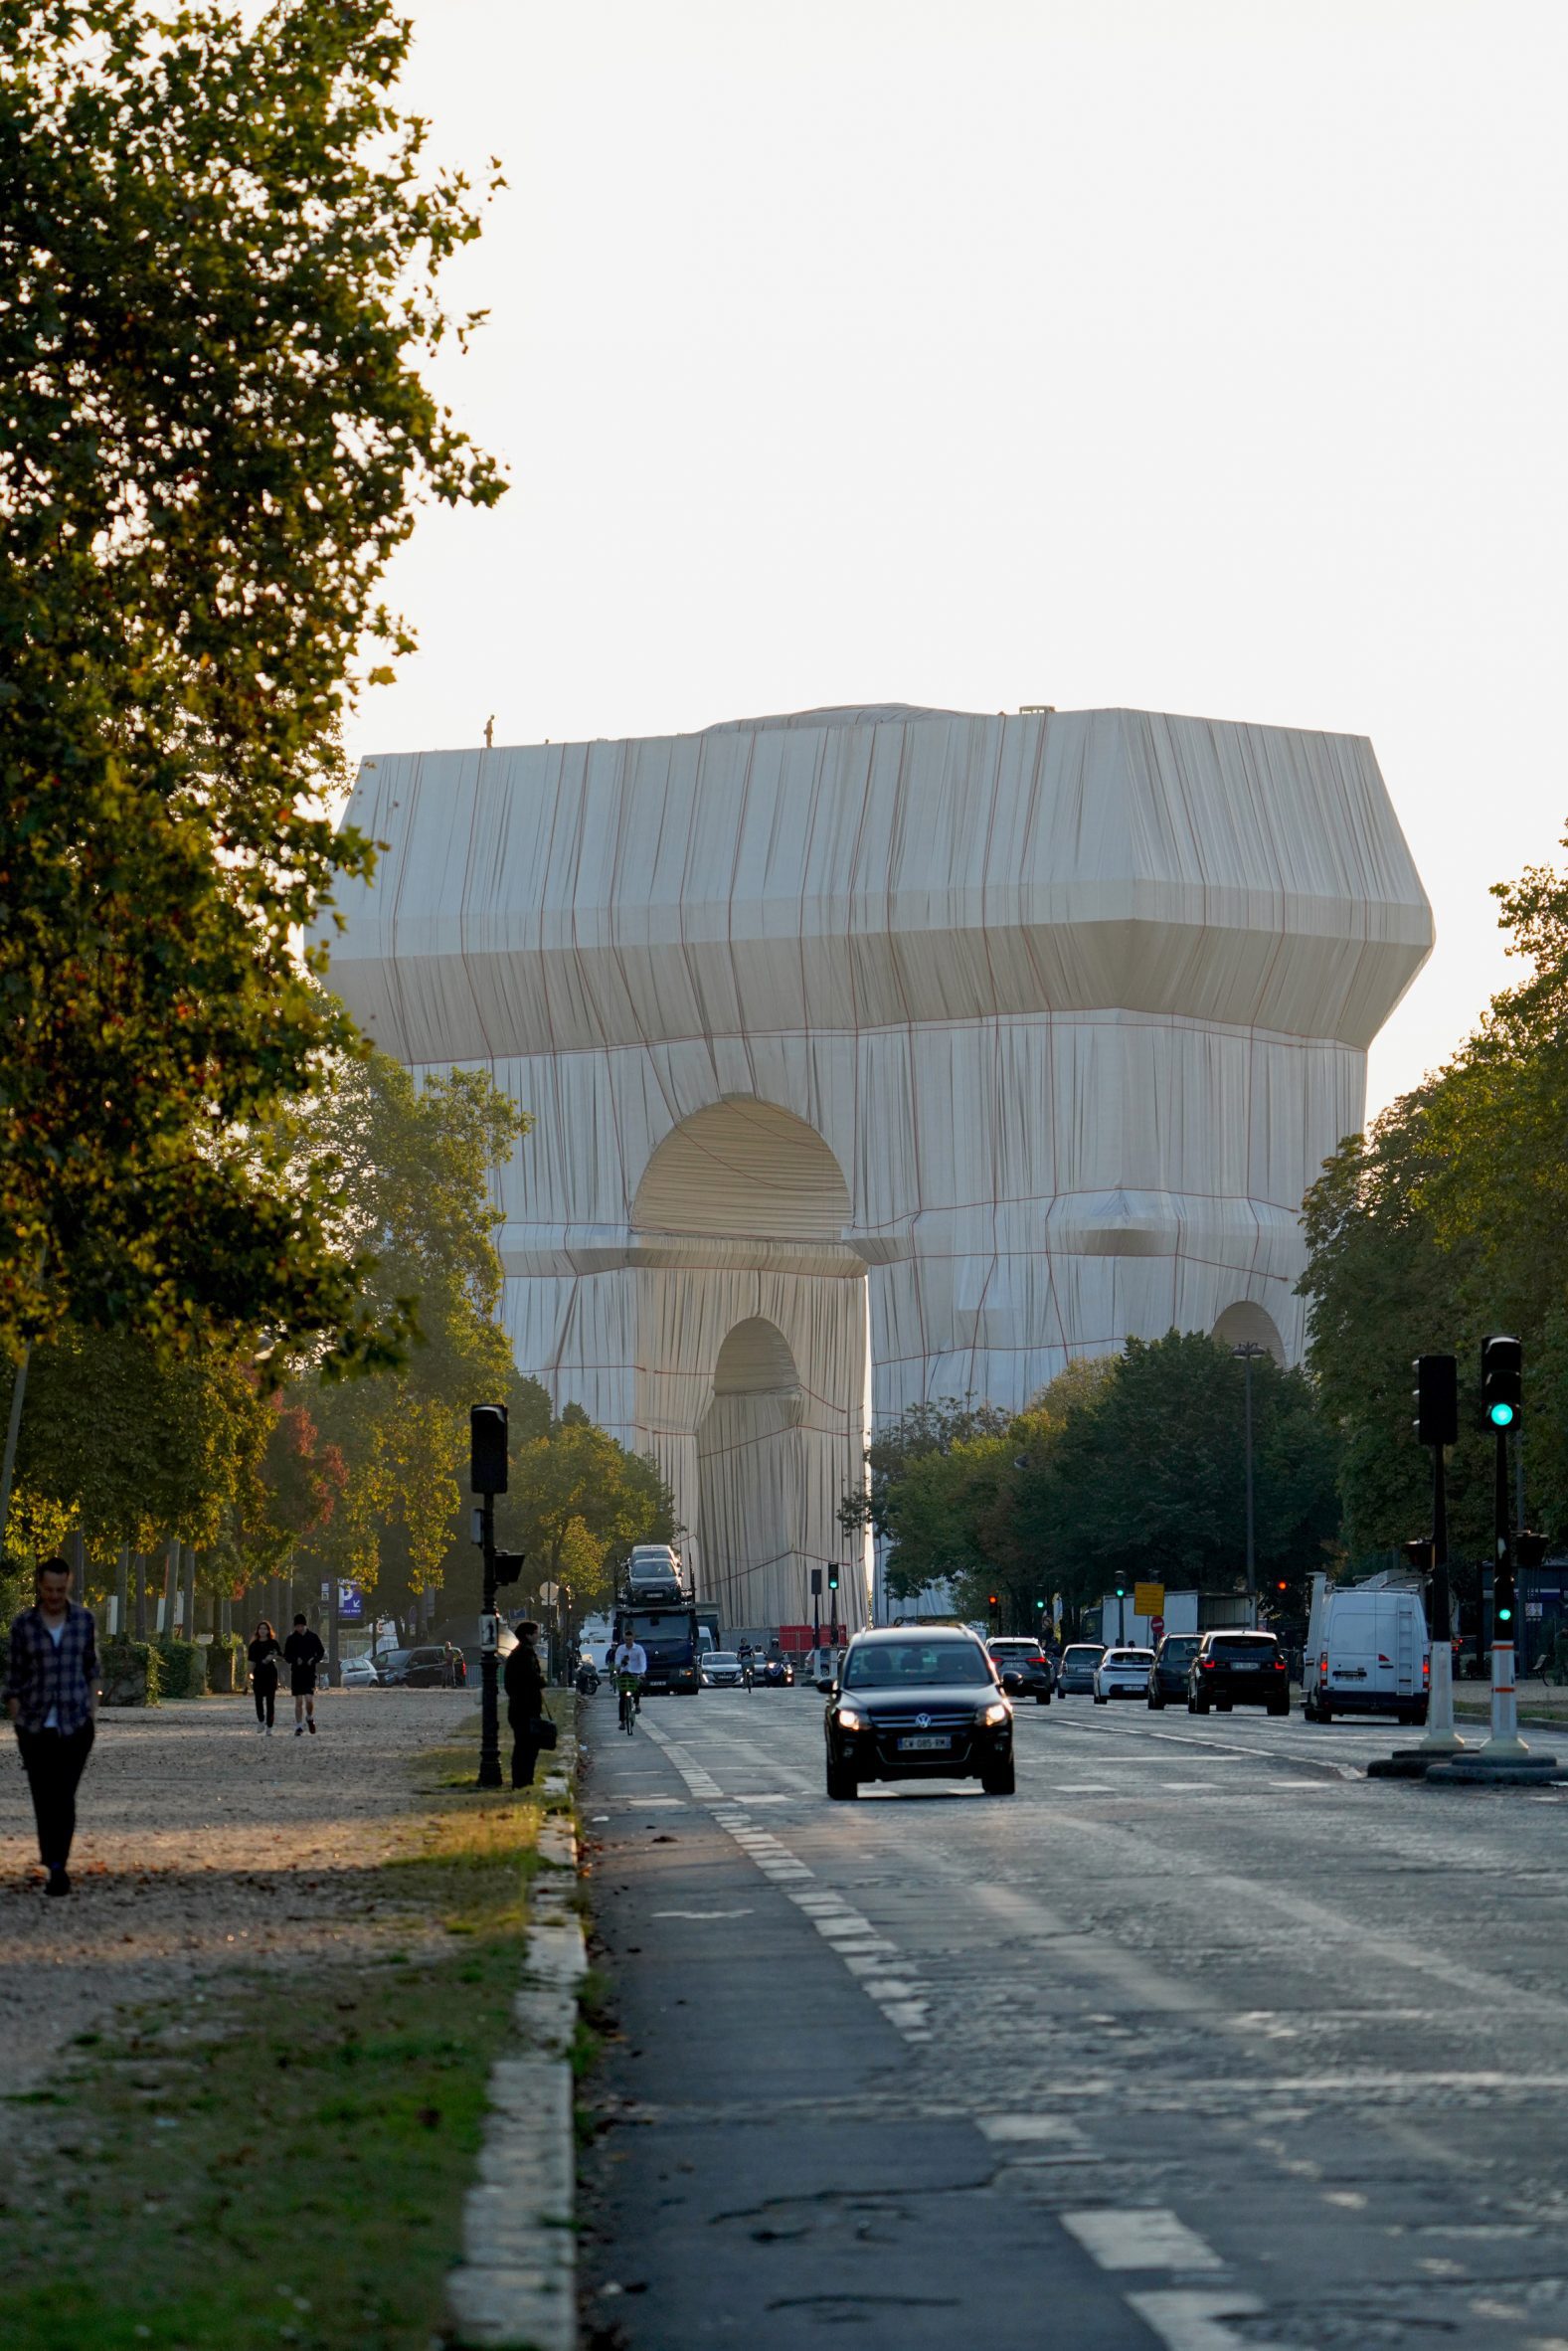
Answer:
(1441, 1739)
(1505, 1744)
(489, 1694)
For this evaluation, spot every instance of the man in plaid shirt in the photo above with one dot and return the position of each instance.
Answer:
(50, 1695)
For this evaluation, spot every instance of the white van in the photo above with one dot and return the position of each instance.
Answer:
(1372, 1656)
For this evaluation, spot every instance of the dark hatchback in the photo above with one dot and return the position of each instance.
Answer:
(1239, 1670)
(1028, 1660)
(1076, 1673)
(1167, 1675)
(917, 1706)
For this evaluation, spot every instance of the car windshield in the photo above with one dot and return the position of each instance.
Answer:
(663, 1632)
(1129, 1657)
(915, 1664)
(1179, 1648)
(724, 1657)
(1251, 1646)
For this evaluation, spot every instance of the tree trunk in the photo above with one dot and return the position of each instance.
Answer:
(121, 1592)
(171, 1581)
(141, 1597)
(189, 1556)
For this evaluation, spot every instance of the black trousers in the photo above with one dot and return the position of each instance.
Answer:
(55, 1761)
(525, 1754)
(265, 1698)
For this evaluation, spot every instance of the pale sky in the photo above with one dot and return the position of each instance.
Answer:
(1197, 355)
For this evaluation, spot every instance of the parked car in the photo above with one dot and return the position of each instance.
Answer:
(722, 1669)
(1236, 1669)
(1027, 1660)
(390, 1665)
(1122, 1672)
(1075, 1675)
(1373, 1658)
(359, 1673)
(917, 1706)
(413, 1668)
(1167, 1675)
(776, 1673)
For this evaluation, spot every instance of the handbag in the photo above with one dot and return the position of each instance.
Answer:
(544, 1732)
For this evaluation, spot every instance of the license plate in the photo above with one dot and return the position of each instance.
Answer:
(1246, 1669)
(928, 1744)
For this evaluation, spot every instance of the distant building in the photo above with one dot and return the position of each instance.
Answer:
(879, 1054)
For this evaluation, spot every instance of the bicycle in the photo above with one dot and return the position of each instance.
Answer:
(628, 1704)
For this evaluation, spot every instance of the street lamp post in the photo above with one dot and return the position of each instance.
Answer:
(1248, 1353)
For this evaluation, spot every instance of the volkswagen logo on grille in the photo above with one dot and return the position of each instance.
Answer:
(923, 1721)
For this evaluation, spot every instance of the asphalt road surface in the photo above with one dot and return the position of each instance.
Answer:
(1200, 2040)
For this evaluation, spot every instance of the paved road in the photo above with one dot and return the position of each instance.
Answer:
(1201, 2039)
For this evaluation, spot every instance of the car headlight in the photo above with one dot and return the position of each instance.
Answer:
(996, 1711)
(852, 1718)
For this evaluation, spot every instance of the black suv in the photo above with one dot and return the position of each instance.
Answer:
(1167, 1675)
(917, 1706)
(1024, 1667)
(1237, 1668)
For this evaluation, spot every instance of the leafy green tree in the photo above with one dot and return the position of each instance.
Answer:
(1147, 1479)
(576, 1502)
(218, 252)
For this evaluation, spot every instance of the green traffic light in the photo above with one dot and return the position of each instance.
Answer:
(1500, 1415)
(1505, 1616)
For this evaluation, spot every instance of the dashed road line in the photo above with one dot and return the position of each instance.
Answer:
(1138, 2237)
(1188, 2321)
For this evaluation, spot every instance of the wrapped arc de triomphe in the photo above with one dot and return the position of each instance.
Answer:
(883, 1054)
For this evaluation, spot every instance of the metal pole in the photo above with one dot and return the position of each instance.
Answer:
(489, 1704)
(1252, 1561)
(1441, 1739)
(334, 1665)
(1505, 1744)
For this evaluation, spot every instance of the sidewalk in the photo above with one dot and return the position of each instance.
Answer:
(1538, 1702)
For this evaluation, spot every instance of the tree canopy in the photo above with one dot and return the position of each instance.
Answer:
(218, 253)
(1448, 1219)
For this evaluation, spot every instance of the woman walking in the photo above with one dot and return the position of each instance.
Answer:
(264, 1654)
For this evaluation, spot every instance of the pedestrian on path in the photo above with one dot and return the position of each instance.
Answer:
(525, 1703)
(50, 1695)
(264, 1654)
(304, 1653)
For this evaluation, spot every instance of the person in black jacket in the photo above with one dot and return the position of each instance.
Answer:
(304, 1653)
(263, 1653)
(525, 1703)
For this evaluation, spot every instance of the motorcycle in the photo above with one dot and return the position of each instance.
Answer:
(587, 1679)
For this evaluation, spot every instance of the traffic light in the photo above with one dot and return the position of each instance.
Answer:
(1437, 1399)
(1121, 1589)
(509, 1565)
(1503, 1382)
(832, 1579)
(1418, 1551)
(993, 1603)
(487, 1448)
(1530, 1549)
(1282, 1585)
(1504, 1601)
(1040, 1607)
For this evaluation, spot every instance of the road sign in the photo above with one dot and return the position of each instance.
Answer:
(350, 1603)
(1156, 1625)
(1149, 1599)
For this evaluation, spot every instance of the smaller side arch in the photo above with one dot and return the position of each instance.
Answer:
(1247, 1323)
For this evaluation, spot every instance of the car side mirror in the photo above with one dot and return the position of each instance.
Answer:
(828, 1689)
(1012, 1682)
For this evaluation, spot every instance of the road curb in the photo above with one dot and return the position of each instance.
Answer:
(516, 2287)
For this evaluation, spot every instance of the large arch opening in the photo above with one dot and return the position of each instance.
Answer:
(1247, 1323)
(743, 1169)
(751, 1479)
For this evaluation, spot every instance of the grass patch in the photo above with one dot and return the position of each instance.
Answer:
(284, 2164)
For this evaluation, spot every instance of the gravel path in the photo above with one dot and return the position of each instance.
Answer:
(201, 1846)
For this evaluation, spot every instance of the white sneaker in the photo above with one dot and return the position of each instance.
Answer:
(299, 1730)
(267, 1727)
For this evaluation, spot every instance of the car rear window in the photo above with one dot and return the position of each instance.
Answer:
(1249, 1645)
(1128, 1657)
(1179, 1648)
(1081, 1653)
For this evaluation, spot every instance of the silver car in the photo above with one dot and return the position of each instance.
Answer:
(721, 1670)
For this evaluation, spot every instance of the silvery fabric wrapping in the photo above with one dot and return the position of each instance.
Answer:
(883, 1054)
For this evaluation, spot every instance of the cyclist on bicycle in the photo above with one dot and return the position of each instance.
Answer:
(748, 1657)
(630, 1664)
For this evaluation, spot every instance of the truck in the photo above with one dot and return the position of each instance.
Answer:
(671, 1638)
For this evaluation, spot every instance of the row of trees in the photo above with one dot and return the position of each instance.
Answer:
(1129, 1466)
(1447, 1220)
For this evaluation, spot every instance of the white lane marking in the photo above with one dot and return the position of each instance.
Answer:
(1140, 2237)
(1087, 1787)
(1188, 2321)
(741, 1913)
(1009, 2131)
